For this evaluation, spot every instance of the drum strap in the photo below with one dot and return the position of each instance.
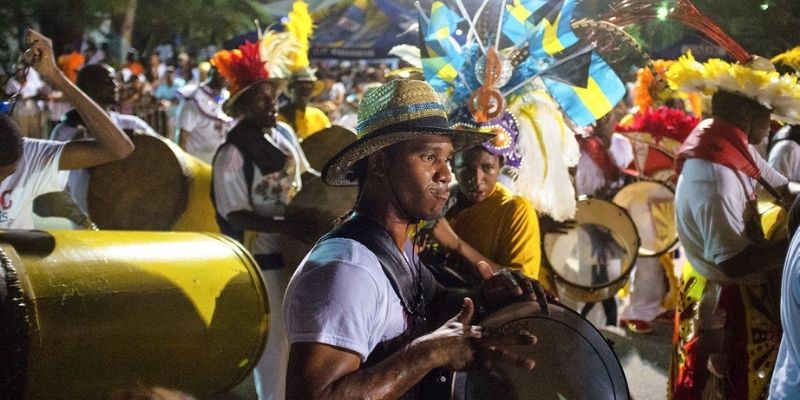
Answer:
(412, 289)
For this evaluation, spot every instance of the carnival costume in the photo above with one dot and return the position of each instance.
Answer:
(259, 170)
(743, 311)
(310, 119)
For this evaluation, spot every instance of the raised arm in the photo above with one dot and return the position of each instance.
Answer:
(110, 142)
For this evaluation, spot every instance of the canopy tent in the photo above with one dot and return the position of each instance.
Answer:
(351, 29)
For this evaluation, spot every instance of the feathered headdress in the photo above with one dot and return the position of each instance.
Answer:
(254, 62)
(790, 58)
(513, 68)
(652, 90)
(771, 89)
(301, 26)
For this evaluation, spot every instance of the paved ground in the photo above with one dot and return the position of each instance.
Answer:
(645, 359)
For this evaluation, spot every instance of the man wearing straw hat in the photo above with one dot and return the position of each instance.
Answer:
(359, 308)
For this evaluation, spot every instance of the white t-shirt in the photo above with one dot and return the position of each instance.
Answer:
(710, 203)
(340, 296)
(201, 115)
(589, 177)
(78, 180)
(270, 194)
(36, 174)
(785, 158)
(785, 384)
(64, 132)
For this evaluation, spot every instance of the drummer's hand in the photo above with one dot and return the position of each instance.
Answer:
(509, 286)
(43, 59)
(456, 344)
(548, 225)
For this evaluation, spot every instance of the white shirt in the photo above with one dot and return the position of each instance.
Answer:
(344, 273)
(201, 115)
(33, 83)
(63, 132)
(710, 203)
(270, 194)
(36, 174)
(785, 158)
(589, 176)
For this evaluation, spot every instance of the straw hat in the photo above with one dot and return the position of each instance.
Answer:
(395, 112)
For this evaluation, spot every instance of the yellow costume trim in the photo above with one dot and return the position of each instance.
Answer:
(771, 89)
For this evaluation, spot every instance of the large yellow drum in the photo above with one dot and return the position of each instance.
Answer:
(158, 187)
(85, 313)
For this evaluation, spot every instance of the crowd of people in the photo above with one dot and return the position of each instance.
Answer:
(370, 311)
(152, 89)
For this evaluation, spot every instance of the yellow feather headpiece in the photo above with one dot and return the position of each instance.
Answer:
(771, 89)
(300, 26)
(790, 58)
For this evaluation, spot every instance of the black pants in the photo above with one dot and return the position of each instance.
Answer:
(609, 307)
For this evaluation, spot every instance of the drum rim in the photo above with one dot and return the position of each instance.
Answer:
(621, 278)
(674, 244)
(537, 313)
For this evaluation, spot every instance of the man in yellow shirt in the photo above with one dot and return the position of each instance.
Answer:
(488, 226)
(306, 120)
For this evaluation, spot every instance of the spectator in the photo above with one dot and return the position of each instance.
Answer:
(29, 167)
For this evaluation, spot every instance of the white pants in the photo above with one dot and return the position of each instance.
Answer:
(647, 290)
(270, 372)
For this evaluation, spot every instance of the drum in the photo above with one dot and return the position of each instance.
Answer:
(591, 261)
(158, 187)
(651, 205)
(325, 203)
(573, 360)
(323, 145)
(83, 313)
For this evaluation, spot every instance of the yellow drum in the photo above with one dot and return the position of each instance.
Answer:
(84, 313)
(158, 187)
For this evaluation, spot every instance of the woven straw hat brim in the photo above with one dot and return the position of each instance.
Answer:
(227, 106)
(336, 171)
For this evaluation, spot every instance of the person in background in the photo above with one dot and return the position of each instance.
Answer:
(256, 174)
(305, 119)
(29, 167)
(720, 230)
(166, 93)
(202, 124)
(99, 83)
(784, 152)
(604, 153)
(28, 87)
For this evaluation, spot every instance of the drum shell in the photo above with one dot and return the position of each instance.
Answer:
(658, 235)
(572, 359)
(327, 202)
(115, 310)
(590, 210)
(158, 187)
